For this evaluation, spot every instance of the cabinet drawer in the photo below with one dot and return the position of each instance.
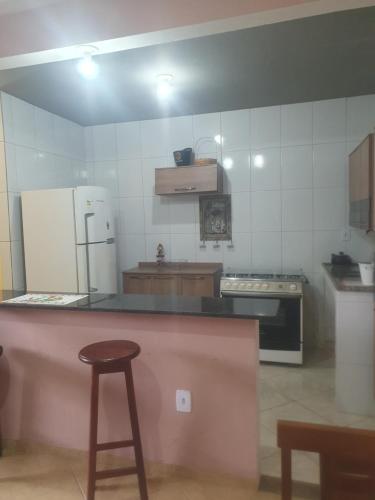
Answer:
(136, 284)
(165, 285)
(197, 285)
(182, 180)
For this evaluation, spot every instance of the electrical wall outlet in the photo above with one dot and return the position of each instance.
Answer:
(183, 401)
(345, 235)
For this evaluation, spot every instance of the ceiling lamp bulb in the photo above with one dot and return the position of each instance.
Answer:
(87, 67)
(164, 86)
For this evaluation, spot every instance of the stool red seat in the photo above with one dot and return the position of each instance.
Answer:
(113, 356)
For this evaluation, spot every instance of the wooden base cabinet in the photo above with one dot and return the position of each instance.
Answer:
(201, 279)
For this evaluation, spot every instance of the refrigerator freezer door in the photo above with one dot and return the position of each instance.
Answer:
(49, 240)
(97, 268)
(94, 215)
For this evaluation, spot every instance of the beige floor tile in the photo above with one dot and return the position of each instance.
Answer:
(290, 411)
(269, 397)
(304, 467)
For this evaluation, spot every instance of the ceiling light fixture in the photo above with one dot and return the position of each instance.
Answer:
(164, 85)
(86, 66)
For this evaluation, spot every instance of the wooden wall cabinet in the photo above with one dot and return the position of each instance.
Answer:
(182, 180)
(362, 185)
(187, 279)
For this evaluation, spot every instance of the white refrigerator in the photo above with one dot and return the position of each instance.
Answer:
(69, 240)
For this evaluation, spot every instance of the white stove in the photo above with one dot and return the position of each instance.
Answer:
(280, 338)
(262, 283)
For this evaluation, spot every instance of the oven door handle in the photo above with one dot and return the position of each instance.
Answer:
(261, 295)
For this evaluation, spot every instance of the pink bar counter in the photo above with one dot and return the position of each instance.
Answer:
(45, 389)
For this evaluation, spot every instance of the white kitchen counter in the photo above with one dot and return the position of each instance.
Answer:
(349, 319)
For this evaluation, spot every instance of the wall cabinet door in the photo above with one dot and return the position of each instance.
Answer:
(182, 180)
(165, 285)
(197, 285)
(137, 284)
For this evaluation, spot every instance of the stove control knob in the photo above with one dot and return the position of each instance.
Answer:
(265, 286)
(226, 284)
(257, 286)
(249, 286)
(242, 286)
(293, 287)
(234, 286)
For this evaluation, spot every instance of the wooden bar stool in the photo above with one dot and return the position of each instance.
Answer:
(113, 356)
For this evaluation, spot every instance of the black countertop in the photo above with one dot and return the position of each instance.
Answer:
(347, 278)
(250, 308)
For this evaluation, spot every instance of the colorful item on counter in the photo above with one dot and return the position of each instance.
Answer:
(46, 299)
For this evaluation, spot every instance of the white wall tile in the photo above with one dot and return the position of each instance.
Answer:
(3, 168)
(324, 244)
(360, 117)
(152, 242)
(11, 166)
(155, 138)
(241, 212)
(296, 167)
(128, 138)
(266, 251)
(148, 173)
(265, 127)
(180, 134)
(105, 175)
(297, 251)
(210, 251)
(297, 209)
(235, 129)
(157, 215)
(131, 249)
(44, 131)
(132, 216)
(329, 119)
(104, 137)
(329, 208)
(8, 123)
(183, 214)
(296, 124)
(89, 143)
(237, 171)
(265, 169)
(183, 247)
(23, 123)
(237, 254)
(330, 165)
(205, 128)
(61, 135)
(27, 175)
(130, 177)
(266, 211)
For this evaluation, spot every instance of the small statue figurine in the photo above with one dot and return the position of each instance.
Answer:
(160, 255)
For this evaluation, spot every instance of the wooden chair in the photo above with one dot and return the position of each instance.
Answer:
(347, 459)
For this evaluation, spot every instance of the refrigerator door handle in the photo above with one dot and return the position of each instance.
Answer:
(110, 241)
(87, 215)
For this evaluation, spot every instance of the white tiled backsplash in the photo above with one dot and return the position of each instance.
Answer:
(286, 168)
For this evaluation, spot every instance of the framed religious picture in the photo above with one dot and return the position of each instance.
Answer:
(215, 214)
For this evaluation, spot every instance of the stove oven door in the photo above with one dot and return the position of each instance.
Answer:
(284, 332)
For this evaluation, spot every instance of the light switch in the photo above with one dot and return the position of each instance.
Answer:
(183, 401)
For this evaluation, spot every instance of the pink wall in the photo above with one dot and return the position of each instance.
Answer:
(73, 22)
(44, 388)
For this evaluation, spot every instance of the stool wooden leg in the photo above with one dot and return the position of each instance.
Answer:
(93, 433)
(136, 434)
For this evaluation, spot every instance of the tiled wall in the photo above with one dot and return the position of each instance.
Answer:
(42, 151)
(286, 169)
(5, 256)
